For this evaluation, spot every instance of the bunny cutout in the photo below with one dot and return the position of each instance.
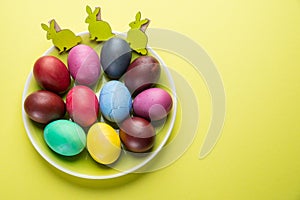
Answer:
(136, 36)
(64, 39)
(99, 29)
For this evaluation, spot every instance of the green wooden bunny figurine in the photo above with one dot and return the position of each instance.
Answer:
(99, 29)
(64, 39)
(136, 36)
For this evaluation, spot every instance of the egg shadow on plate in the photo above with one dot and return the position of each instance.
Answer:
(37, 125)
(136, 154)
(71, 158)
(112, 124)
(159, 124)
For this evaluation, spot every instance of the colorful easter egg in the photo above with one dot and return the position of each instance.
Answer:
(115, 57)
(152, 104)
(51, 74)
(137, 134)
(115, 101)
(65, 137)
(82, 105)
(141, 74)
(44, 106)
(103, 143)
(84, 65)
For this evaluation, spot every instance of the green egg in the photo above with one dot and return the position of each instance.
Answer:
(65, 137)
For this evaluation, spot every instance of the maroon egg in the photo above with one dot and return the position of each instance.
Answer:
(51, 74)
(137, 134)
(82, 105)
(141, 74)
(44, 106)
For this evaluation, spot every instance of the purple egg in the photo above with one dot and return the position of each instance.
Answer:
(152, 104)
(84, 65)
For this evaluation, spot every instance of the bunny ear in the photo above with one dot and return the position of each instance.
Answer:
(97, 10)
(45, 27)
(138, 16)
(88, 10)
(144, 24)
(52, 24)
(144, 21)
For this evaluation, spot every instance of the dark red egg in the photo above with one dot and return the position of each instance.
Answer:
(141, 74)
(51, 74)
(137, 134)
(44, 106)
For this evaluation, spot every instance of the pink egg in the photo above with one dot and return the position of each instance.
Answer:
(84, 65)
(153, 104)
(82, 105)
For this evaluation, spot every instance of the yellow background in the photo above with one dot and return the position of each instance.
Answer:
(256, 47)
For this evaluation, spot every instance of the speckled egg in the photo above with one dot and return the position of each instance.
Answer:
(115, 57)
(115, 101)
(153, 104)
(65, 137)
(103, 143)
(84, 65)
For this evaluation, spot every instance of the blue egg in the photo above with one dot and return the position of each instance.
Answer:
(115, 101)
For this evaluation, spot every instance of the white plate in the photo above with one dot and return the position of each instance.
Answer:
(83, 165)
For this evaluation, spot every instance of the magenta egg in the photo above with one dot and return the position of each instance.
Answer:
(82, 105)
(84, 65)
(152, 104)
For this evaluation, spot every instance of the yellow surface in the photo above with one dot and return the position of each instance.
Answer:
(255, 45)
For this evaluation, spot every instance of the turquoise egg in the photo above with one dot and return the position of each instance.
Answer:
(115, 101)
(65, 137)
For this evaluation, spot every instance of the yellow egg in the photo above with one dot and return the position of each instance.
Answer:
(103, 143)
